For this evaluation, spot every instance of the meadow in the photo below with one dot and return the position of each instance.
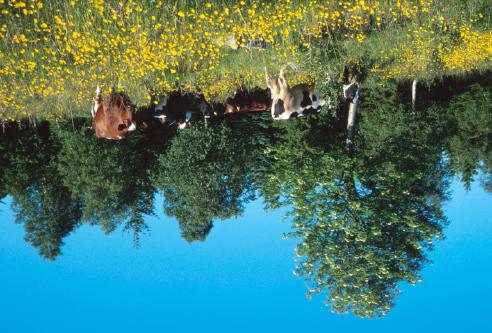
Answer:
(54, 53)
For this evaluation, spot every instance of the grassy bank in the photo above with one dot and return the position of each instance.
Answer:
(52, 54)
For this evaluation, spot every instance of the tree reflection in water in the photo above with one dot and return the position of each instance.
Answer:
(364, 220)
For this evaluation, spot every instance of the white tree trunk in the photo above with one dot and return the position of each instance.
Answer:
(353, 107)
(414, 94)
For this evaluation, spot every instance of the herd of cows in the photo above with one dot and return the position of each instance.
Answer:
(114, 116)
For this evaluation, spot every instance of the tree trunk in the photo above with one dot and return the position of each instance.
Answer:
(352, 113)
(414, 94)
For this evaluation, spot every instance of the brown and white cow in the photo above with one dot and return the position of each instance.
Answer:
(289, 102)
(112, 116)
(256, 100)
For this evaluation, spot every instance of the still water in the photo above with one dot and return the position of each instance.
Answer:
(227, 227)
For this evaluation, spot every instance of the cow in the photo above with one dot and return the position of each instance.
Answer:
(234, 42)
(256, 100)
(179, 108)
(289, 102)
(112, 116)
(351, 92)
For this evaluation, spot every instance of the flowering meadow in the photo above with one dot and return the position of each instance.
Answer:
(54, 53)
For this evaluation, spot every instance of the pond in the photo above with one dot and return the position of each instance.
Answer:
(226, 226)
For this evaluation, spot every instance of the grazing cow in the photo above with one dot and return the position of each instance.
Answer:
(289, 102)
(243, 41)
(351, 92)
(179, 108)
(257, 100)
(112, 116)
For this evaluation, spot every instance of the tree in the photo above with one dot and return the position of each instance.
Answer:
(48, 216)
(109, 178)
(363, 220)
(470, 145)
(206, 175)
(40, 202)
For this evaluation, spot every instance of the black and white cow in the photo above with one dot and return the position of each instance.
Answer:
(289, 102)
(179, 109)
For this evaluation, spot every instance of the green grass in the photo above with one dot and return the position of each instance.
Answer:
(316, 56)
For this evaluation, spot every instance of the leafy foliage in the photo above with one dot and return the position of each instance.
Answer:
(364, 220)
(206, 175)
(110, 179)
(40, 202)
(470, 146)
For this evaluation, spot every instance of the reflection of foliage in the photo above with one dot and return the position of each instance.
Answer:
(109, 178)
(206, 175)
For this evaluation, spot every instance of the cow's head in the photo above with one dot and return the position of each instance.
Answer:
(120, 108)
(114, 118)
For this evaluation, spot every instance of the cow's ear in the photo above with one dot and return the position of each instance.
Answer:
(119, 101)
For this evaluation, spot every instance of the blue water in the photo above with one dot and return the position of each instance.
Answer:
(239, 280)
